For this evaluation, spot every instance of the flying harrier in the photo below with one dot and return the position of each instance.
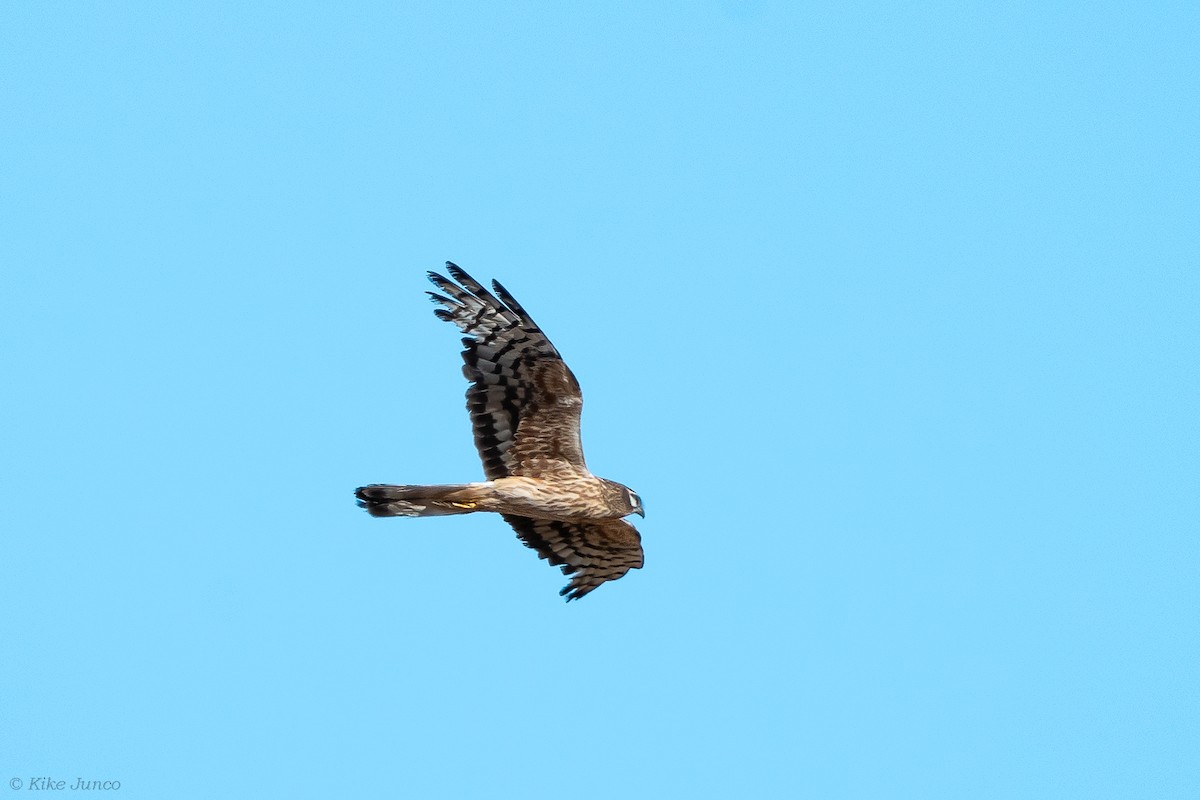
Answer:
(524, 405)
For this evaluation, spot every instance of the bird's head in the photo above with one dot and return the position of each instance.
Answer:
(634, 502)
(622, 500)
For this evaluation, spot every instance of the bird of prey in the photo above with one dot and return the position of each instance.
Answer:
(524, 404)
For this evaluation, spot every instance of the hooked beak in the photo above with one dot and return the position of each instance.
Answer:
(641, 512)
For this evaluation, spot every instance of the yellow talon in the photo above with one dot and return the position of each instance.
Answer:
(462, 505)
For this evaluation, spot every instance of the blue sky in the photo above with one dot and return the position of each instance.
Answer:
(889, 313)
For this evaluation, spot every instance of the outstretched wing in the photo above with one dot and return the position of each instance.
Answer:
(524, 401)
(590, 552)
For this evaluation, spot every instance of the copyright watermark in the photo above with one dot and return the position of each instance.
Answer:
(46, 783)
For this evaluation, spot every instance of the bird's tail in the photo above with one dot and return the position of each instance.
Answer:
(382, 500)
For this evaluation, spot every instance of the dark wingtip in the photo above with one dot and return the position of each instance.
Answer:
(573, 592)
(511, 302)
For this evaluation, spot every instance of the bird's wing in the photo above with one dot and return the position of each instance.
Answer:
(590, 552)
(523, 400)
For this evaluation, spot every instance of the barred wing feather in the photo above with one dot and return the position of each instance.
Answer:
(523, 400)
(590, 552)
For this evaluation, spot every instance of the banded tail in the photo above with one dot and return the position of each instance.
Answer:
(382, 500)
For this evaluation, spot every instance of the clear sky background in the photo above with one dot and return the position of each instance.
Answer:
(890, 312)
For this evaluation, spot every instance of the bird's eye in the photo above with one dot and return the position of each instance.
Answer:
(634, 500)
